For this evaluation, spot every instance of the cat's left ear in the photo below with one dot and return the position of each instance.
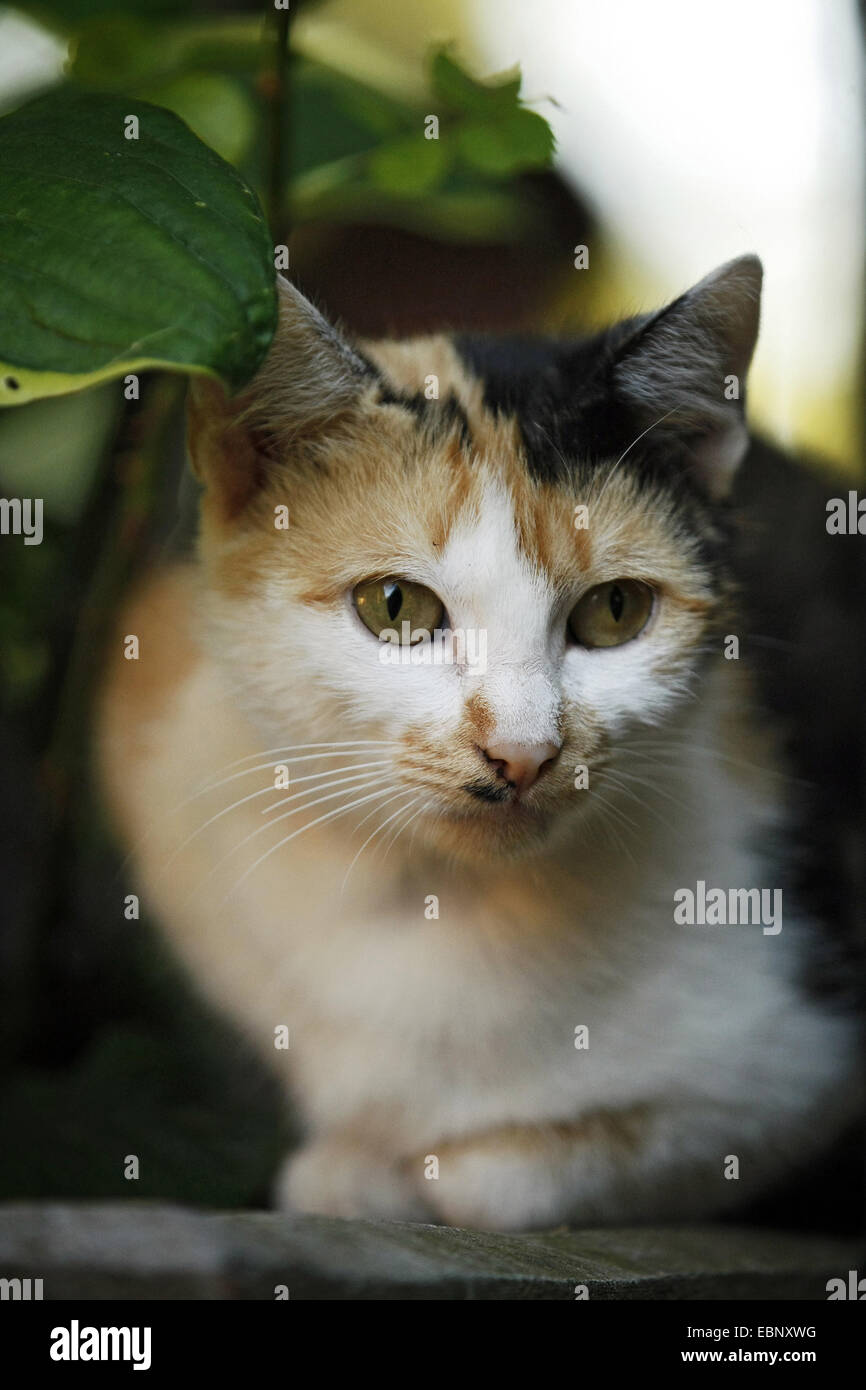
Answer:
(311, 377)
(684, 370)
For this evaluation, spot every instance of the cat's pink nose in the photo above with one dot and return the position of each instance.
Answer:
(521, 764)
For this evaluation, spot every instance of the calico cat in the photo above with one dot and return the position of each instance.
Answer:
(434, 759)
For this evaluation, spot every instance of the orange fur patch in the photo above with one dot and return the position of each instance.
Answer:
(621, 1130)
(135, 693)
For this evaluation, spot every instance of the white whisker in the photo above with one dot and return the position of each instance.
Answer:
(361, 786)
(266, 791)
(400, 809)
(263, 767)
(359, 771)
(308, 747)
(645, 805)
(320, 820)
(398, 830)
(610, 474)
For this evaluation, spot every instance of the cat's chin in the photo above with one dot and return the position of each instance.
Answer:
(495, 833)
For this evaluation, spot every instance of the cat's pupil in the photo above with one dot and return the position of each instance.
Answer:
(617, 602)
(393, 599)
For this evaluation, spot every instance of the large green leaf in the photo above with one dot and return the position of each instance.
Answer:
(119, 254)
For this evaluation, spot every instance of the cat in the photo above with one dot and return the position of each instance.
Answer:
(437, 883)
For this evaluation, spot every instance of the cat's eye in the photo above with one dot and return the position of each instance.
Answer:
(389, 603)
(611, 614)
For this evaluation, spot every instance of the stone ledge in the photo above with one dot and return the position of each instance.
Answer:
(147, 1250)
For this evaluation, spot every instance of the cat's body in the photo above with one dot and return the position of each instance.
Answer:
(494, 1016)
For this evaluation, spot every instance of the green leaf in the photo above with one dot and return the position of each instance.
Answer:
(506, 145)
(460, 92)
(410, 165)
(119, 254)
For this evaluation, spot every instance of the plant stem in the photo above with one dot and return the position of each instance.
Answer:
(122, 507)
(279, 129)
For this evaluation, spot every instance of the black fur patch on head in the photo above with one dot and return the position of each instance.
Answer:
(439, 417)
(663, 392)
(563, 397)
(575, 423)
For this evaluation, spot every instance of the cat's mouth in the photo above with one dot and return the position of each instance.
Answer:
(494, 793)
(486, 813)
(496, 805)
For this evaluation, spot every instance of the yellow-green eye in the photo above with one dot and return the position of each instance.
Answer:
(389, 603)
(611, 614)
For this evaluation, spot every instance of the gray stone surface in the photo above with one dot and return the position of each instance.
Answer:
(150, 1250)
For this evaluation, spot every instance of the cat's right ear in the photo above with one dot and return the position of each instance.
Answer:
(310, 378)
(683, 371)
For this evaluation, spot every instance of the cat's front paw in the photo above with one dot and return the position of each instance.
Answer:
(333, 1177)
(491, 1185)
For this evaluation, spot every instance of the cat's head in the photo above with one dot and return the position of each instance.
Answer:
(554, 510)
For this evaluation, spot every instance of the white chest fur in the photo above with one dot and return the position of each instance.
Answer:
(435, 1027)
